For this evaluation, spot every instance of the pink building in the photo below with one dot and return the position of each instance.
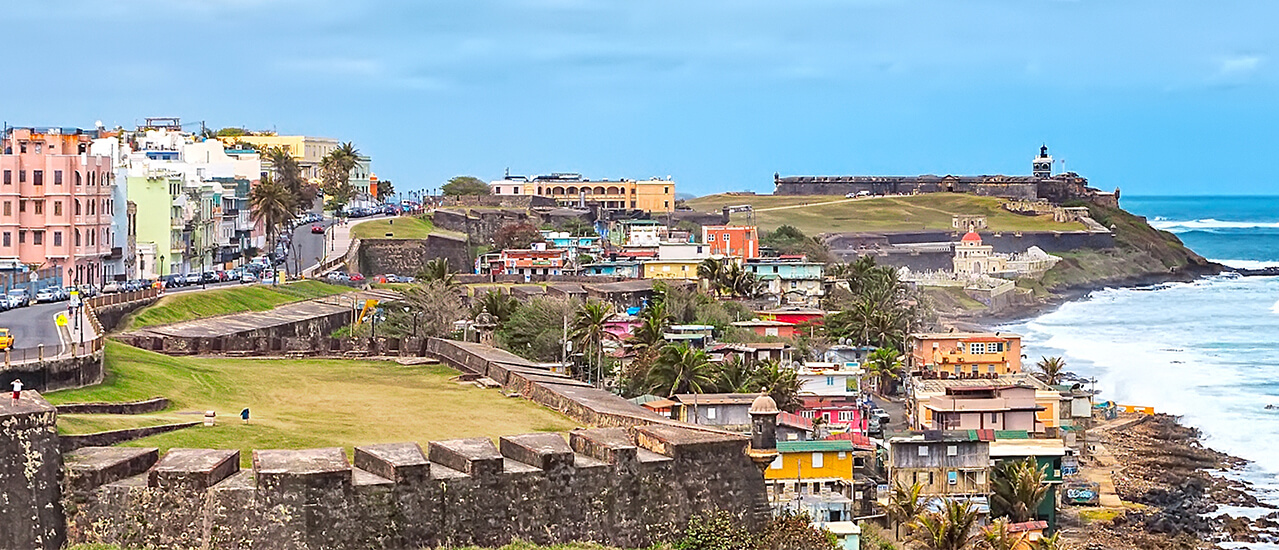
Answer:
(55, 202)
(986, 408)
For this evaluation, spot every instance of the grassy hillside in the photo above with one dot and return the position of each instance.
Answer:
(300, 403)
(403, 227)
(185, 306)
(834, 214)
(1140, 252)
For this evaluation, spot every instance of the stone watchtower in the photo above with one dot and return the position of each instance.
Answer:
(30, 464)
(763, 449)
(1042, 167)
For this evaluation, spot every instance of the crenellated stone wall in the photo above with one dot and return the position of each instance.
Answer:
(30, 467)
(622, 487)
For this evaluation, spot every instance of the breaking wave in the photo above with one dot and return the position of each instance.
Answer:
(1207, 224)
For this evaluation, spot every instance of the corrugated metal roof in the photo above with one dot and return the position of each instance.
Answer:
(827, 445)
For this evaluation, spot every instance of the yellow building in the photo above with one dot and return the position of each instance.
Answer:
(307, 150)
(671, 269)
(811, 466)
(651, 195)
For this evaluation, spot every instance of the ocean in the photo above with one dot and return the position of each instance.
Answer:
(1207, 350)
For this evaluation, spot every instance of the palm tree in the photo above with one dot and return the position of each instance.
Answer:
(882, 366)
(735, 376)
(711, 270)
(951, 528)
(499, 305)
(288, 174)
(270, 204)
(587, 329)
(437, 270)
(903, 504)
(649, 335)
(781, 383)
(998, 537)
(1051, 369)
(681, 369)
(1017, 489)
(335, 171)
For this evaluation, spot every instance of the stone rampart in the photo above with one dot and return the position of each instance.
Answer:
(56, 373)
(155, 404)
(30, 468)
(501, 201)
(408, 256)
(613, 486)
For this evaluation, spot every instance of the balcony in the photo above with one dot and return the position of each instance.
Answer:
(115, 254)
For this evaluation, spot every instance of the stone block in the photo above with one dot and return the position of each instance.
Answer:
(194, 469)
(546, 451)
(673, 441)
(477, 457)
(399, 462)
(611, 445)
(309, 467)
(92, 467)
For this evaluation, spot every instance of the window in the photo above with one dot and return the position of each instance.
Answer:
(22, 206)
(7, 237)
(710, 413)
(952, 477)
(39, 205)
(57, 238)
(77, 237)
(78, 178)
(515, 190)
(57, 208)
(8, 208)
(22, 176)
(806, 414)
(710, 238)
(976, 347)
(37, 177)
(57, 177)
(666, 204)
(22, 237)
(817, 460)
(995, 347)
(666, 190)
(8, 177)
(77, 207)
(22, 147)
(923, 450)
(952, 450)
(830, 380)
(845, 416)
(38, 147)
(994, 418)
(37, 237)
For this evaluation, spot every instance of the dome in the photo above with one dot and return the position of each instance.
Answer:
(764, 405)
(971, 237)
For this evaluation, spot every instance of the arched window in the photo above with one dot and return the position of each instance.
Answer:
(77, 207)
(79, 178)
(614, 190)
(572, 190)
(77, 237)
(599, 190)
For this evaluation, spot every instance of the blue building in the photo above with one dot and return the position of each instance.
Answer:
(620, 268)
(792, 279)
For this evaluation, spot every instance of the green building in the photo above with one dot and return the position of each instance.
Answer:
(1048, 453)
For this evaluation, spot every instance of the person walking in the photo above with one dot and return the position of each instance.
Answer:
(17, 390)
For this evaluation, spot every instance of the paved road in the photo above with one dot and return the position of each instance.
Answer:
(308, 249)
(34, 325)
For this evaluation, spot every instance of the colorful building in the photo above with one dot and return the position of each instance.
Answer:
(651, 195)
(56, 203)
(733, 241)
(794, 315)
(791, 278)
(964, 353)
(1049, 454)
(944, 464)
(535, 261)
(996, 407)
(1051, 407)
(769, 328)
(619, 268)
(671, 269)
(307, 150)
(812, 467)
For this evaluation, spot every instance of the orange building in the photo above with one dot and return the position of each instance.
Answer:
(964, 353)
(737, 241)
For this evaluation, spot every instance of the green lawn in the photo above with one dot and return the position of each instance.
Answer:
(403, 227)
(260, 297)
(301, 403)
(814, 214)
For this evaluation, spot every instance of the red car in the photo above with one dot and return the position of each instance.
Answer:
(317, 228)
(356, 277)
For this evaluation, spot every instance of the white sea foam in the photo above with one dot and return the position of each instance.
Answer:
(1245, 264)
(1181, 226)
(1275, 308)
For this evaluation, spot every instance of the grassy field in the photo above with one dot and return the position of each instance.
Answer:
(261, 297)
(404, 227)
(301, 403)
(835, 214)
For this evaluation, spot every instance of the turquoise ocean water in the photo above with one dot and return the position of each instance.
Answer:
(1207, 350)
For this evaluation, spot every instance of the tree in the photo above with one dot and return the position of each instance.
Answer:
(735, 376)
(781, 383)
(1050, 542)
(681, 369)
(998, 537)
(883, 366)
(437, 305)
(270, 205)
(903, 504)
(437, 270)
(1051, 369)
(1017, 489)
(464, 185)
(287, 173)
(516, 236)
(494, 303)
(789, 240)
(587, 332)
(384, 190)
(711, 270)
(535, 330)
(792, 531)
(335, 173)
(231, 132)
(951, 528)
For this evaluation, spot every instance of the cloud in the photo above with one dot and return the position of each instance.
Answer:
(1239, 65)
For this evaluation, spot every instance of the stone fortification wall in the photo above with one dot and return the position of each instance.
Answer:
(155, 404)
(501, 201)
(1006, 242)
(481, 225)
(30, 467)
(611, 485)
(407, 256)
(908, 186)
(55, 374)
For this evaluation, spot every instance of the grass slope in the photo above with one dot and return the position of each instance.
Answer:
(814, 214)
(195, 305)
(301, 403)
(404, 227)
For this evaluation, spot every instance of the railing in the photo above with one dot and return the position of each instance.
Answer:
(122, 297)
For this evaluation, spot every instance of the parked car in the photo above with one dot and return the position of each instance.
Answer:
(174, 281)
(19, 297)
(209, 277)
(356, 277)
(248, 278)
(47, 294)
(6, 339)
(881, 414)
(192, 278)
(112, 288)
(337, 276)
(317, 228)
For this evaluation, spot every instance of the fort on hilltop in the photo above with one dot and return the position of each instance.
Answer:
(1041, 184)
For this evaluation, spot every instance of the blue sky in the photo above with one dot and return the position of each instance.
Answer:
(1154, 97)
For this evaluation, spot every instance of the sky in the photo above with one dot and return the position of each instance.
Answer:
(1152, 97)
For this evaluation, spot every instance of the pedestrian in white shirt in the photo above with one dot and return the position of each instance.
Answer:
(17, 389)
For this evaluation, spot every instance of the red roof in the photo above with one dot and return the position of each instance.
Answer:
(795, 421)
(970, 237)
(1027, 526)
(859, 440)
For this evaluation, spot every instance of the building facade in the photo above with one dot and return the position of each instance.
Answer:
(964, 353)
(568, 189)
(733, 241)
(57, 203)
(792, 279)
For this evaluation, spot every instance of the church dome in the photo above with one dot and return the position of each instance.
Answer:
(764, 405)
(971, 237)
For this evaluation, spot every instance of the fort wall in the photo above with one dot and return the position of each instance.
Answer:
(30, 467)
(407, 256)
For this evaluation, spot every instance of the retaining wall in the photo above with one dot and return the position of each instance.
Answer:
(155, 404)
(30, 468)
(58, 373)
(407, 256)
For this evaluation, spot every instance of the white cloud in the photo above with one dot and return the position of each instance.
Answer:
(1239, 64)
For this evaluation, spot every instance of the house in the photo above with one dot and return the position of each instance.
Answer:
(741, 242)
(622, 294)
(793, 427)
(1048, 401)
(753, 352)
(999, 407)
(621, 325)
(637, 233)
(813, 467)
(532, 261)
(575, 246)
(795, 315)
(695, 335)
(670, 251)
(944, 464)
(671, 269)
(848, 355)
(659, 405)
(964, 353)
(620, 268)
(768, 328)
(1049, 455)
(730, 411)
(793, 280)
(832, 512)
(840, 412)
